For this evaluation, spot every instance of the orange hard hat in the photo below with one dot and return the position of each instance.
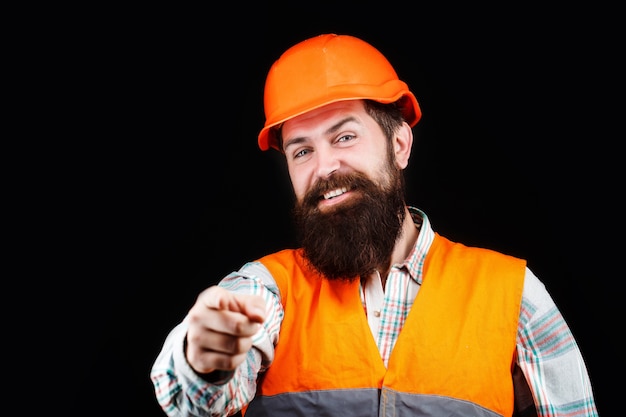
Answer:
(325, 69)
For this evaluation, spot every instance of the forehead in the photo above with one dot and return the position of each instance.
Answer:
(328, 111)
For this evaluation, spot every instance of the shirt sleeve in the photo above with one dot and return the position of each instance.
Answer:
(550, 358)
(180, 391)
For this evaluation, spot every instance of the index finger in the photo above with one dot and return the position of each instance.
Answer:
(252, 306)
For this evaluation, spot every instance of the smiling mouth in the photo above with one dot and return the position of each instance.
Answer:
(335, 193)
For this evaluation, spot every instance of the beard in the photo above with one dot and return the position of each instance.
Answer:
(353, 239)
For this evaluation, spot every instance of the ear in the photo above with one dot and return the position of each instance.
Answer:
(402, 145)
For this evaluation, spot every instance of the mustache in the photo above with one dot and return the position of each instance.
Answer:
(351, 181)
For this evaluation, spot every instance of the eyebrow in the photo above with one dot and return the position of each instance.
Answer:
(330, 130)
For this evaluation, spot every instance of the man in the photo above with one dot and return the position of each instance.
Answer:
(376, 313)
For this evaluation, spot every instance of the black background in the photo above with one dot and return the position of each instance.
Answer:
(153, 186)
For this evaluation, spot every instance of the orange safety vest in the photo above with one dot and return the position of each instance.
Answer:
(454, 355)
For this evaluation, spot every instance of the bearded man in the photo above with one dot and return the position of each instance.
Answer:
(375, 314)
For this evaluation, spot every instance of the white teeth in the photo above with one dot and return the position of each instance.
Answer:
(335, 193)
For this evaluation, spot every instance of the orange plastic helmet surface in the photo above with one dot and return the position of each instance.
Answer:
(325, 69)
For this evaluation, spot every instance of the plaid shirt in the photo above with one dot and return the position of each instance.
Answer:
(547, 353)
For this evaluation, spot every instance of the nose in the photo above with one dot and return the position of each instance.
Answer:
(327, 161)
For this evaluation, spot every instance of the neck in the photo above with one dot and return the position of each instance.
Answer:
(403, 247)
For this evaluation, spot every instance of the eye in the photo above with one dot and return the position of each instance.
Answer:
(301, 153)
(345, 138)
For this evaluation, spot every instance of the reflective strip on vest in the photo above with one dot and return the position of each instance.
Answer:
(363, 403)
